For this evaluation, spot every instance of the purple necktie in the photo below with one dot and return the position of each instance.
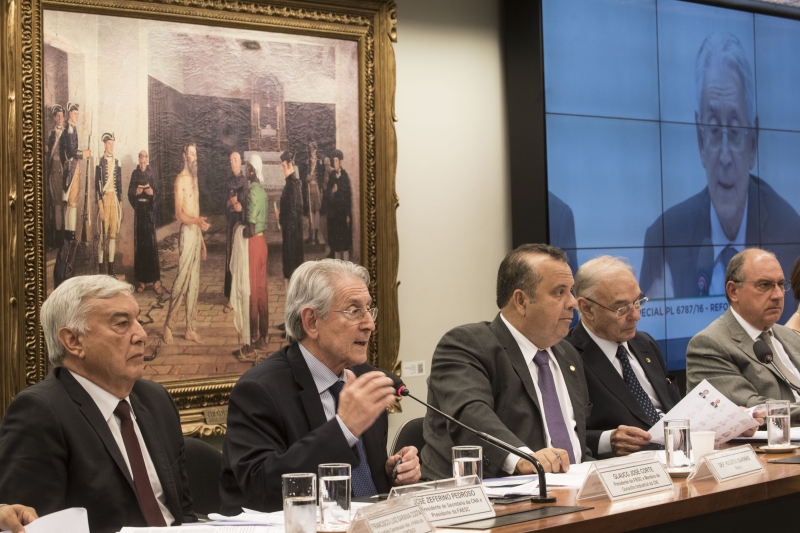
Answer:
(559, 435)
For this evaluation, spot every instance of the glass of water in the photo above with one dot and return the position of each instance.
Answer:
(778, 426)
(334, 497)
(677, 443)
(300, 503)
(467, 461)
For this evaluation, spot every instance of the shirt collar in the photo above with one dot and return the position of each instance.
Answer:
(608, 347)
(750, 329)
(527, 348)
(718, 237)
(104, 400)
(323, 376)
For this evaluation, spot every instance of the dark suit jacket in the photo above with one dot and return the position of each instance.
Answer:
(687, 237)
(57, 452)
(101, 176)
(479, 376)
(614, 404)
(562, 229)
(276, 426)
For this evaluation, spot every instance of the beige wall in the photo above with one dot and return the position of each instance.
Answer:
(454, 221)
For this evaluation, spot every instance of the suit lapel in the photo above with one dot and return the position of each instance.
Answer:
(652, 369)
(789, 340)
(508, 342)
(744, 342)
(570, 374)
(92, 414)
(308, 393)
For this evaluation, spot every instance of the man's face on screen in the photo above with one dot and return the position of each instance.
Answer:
(727, 144)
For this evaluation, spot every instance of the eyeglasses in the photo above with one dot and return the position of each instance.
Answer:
(357, 315)
(712, 136)
(764, 285)
(625, 309)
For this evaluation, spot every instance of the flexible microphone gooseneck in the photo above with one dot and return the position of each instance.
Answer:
(764, 354)
(402, 390)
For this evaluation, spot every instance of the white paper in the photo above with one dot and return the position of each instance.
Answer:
(707, 410)
(762, 435)
(73, 520)
(529, 485)
(202, 528)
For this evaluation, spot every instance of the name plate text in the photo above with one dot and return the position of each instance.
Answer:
(455, 505)
(625, 478)
(728, 464)
(407, 520)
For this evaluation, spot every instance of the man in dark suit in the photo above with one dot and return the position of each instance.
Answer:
(627, 378)
(316, 400)
(93, 434)
(562, 229)
(514, 378)
(735, 209)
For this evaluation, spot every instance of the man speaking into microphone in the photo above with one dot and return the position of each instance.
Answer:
(514, 378)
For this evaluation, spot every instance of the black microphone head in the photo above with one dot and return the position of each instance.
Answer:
(762, 351)
(397, 383)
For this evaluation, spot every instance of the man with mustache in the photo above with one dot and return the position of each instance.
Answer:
(94, 434)
(723, 352)
(192, 246)
(515, 378)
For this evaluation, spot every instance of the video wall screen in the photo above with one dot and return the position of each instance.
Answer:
(673, 139)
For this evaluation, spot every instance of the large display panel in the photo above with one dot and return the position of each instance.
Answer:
(673, 139)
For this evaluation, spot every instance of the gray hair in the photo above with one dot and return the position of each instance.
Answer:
(735, 270)
(68, 307)
(590, 272)
(725, 48)
(313, 285)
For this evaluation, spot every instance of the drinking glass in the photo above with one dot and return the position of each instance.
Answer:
(300, 503)
(467, 461)
(778, 426)
(677, 443)
(334, 497)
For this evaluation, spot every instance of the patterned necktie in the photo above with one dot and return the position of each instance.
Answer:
(636, 388)
(559, 435)
(147, 500)
(726, 255)
(361, 476)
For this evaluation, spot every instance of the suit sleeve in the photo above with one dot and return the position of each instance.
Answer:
(33, 455)
(258, 449)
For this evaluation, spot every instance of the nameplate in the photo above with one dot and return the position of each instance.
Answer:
(725, 465)
(409, 519)
(454, 505)
(216, 416)
(623, 478)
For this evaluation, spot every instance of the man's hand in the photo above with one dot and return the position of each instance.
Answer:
(363, 399)
(408, 472)
(87, 154)
(13, 517)
(203, 250)
(139, 190)
(100, 211)
(626, 439)
(552, 459)
(202, 224)
(758, 416)
(249, 231)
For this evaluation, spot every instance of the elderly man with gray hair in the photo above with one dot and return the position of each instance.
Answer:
(315, 400)
(735, 208)
(93, 434)
(625, 371)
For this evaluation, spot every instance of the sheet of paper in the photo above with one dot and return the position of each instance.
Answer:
(762, 435)
(257, 518)
(194, 528)
(707, 410)
(530, 485)
(73, 520)
(510, 481)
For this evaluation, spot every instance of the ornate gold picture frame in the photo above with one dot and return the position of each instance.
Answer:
(348, 43)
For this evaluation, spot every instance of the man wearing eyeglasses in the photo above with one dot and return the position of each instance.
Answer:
(628, 382)
(316, 400)
(723, 352)
(736, 208)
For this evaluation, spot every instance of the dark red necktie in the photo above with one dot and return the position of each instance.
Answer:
(147, 500)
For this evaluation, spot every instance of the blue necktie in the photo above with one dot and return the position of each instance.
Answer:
(360, 477)
(559, 435)
(635, 387)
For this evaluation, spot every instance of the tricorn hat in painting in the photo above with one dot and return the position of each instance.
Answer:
(107, 137)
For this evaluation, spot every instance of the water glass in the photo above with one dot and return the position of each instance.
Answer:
(334, 497)
(778, 425)
(677, 443)
(467, 461)
(300, 503)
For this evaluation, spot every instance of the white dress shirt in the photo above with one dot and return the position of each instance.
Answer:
(323, 379)
(777, 348)
(609, 348)
(529, 350)
(720, 241)
(107, 402)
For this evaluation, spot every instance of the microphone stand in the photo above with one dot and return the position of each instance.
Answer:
(542, 497)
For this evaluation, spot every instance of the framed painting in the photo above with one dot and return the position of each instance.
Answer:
(141, 136)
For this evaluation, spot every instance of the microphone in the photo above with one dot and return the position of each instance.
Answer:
(764, 354)
(401, 390)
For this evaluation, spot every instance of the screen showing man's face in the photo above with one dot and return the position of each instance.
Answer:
(727, 144)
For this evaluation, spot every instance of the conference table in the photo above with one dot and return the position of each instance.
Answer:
(755, 502)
